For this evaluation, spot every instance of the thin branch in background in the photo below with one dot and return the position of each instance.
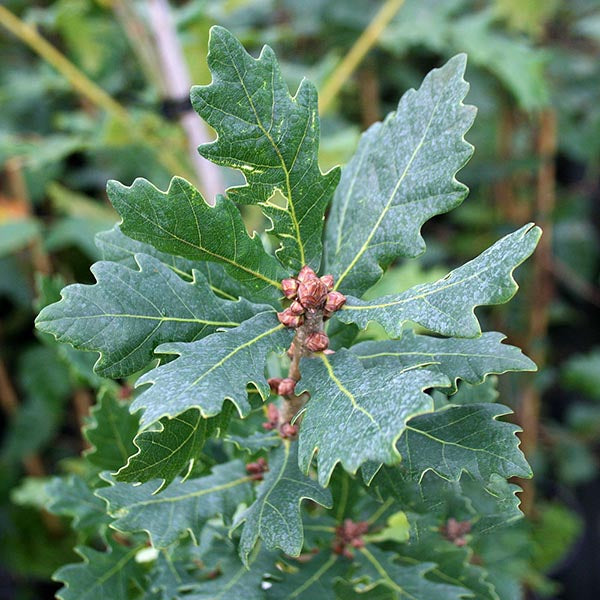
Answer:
(140, 41)
(176, 76)
(357, 53)
(543, 290)
(370, 106)
(90, 90)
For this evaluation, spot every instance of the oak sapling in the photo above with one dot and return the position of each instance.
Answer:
(269, 432)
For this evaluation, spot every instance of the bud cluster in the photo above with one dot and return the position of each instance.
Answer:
(349, 535)
(310, 293)
(257, 469)
(456, 531)
(286, 430)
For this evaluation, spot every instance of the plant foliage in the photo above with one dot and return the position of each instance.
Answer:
(375, 478)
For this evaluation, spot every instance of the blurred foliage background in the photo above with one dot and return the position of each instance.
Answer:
(89, 92)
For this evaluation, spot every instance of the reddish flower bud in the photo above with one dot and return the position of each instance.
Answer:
(306, 273)
(289, 287)
(272, 417)
(256, 469)
(290, 320)
(334, 301)
(286, 386)
(312, 293)
(274, 384)
(328, 281)
(296, 308)
(317, 341)
(288, 431)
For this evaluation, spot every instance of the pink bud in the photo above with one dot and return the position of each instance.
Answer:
(288, 431)
(274, 384)
(334, 301)
(312, 293)
(289, 287)
(328, 281)
(296, 308)
(306, 273)
(317, 341)
(286, 386)
(290, 320)
(272, 413)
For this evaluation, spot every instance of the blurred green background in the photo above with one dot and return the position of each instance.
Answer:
(92, 90)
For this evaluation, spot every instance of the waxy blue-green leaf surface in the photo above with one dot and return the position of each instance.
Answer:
(211, 370)
(468, 359)
(109, 574)
(127, 313)
(402, 174)
(464, 438)
(273, 138)
(447, 305)
(183, 507)
(275, 515)
(355, 415)
(180, 222)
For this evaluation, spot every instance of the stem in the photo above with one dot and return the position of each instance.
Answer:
(363, 44)
(177, 85)
(87, 88)
(313, 322)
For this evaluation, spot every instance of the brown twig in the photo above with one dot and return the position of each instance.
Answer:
(543, 288)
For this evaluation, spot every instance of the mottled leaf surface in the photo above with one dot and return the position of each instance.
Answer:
(355, 415)
(447, 305)
(273, 138)
(183, 506)
(127, 313)
(211, 370)
(468, 359)
(402, 174)
(275, 515)
(464, 438)
(107, 574)
(180, 222)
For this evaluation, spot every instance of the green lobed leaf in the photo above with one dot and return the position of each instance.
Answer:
(213, 369)
(127, 313)
(234, 580)
(402, 174)
(468, 359)
(184, 506)
(259, 440)
(447, 305)
(315, 579)
(180, 222)
(275, 516)
(110, 430)
(175, 443)
(72, 497)
(464, 438)
(379, 568)
(108, 574)
(115, 246)
(273, 138)
(355, 415)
